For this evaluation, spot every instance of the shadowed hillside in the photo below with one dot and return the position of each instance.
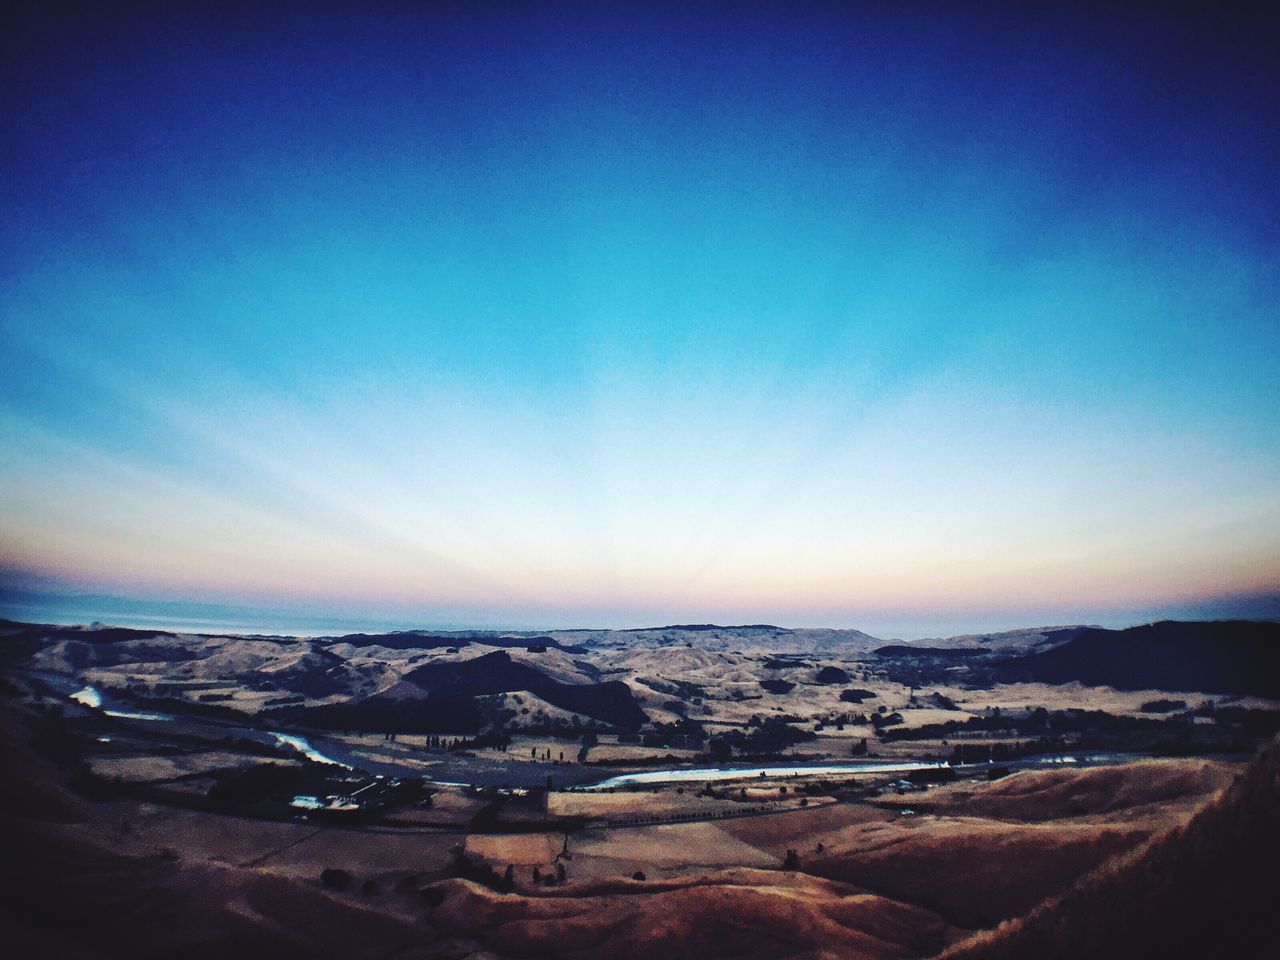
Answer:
(745, 914)
(70, 888)
(496, 672)
(1223, 656)
(446, 713)
(1203, 890)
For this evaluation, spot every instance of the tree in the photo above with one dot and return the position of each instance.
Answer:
(792, 861)
(335, 879)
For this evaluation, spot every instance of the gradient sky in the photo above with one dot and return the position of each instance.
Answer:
(544, 315)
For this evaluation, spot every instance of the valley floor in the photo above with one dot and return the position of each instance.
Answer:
(894, 875)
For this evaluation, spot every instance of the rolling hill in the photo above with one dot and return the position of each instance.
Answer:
(610, 701)
(1222, 656)
(1206, 889)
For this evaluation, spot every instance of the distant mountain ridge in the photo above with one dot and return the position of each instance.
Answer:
(1217, 656)
(699, 627)
(1023, 640)
(423, 640)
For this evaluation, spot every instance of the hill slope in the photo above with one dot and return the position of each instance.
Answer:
(71, 888)
(1206, 889)
(496, 672)
(1222, 656)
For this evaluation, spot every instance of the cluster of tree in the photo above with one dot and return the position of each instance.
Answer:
(839, 720)
(830, 675)
(493, 740)
(269, 787)
(856, 695)
(882, 719)
(980, 673)
(335, 878)
(763, 737)
(684, 733)
(444, 713)
(1037, 721)
(1174, 735)
(551, 878)
(1163, 706)
(546, 755)
(936, 700)
(482, 873)
(251, 785)
(1252, 722)
(558, 728)
(998, 752)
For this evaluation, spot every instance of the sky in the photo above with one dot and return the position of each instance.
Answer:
(917, 320)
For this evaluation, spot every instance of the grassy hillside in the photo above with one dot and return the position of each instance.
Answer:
(71, 888)
(1207, 889)
(496, 672)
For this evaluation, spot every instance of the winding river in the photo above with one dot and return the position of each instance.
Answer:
(708, 774)
(92, 697)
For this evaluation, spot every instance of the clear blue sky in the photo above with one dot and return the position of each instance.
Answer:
(533, 314)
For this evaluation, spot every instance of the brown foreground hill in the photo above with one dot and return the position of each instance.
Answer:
(910, 885)
(1206, 889)
(70, 888)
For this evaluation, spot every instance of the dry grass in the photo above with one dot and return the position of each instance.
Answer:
(973, 872)
(1203, 889)
(1115, 793)
(740, 913)
(884, 885)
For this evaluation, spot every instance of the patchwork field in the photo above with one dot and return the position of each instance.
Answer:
(756, 793)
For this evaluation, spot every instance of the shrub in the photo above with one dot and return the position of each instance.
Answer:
(433, 896)
(335, 879)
